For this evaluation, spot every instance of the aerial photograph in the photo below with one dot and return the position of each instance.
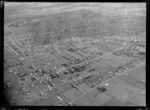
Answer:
(75, 53)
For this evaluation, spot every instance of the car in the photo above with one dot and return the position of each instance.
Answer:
(102, 89)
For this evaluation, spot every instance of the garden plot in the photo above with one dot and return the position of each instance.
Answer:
(64, 88)
(72, 94)
(83, 87)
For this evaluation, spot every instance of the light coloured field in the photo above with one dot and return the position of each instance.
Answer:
(73, 94)
(64, 88)
(83, 87)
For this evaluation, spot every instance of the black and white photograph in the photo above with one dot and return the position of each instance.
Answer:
(75, 53)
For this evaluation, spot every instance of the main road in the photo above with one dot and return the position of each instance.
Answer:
(71, 67)
(104, 83)
(24, 64)
(62, 69)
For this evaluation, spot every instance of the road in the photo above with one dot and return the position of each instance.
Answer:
(104, 83)
(92, 59)
(26, 65)
(83, 63)
(63, 69)
(73, 78)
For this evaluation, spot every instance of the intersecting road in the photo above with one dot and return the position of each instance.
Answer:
(70, 67)
(104, 83)
(65, 68)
